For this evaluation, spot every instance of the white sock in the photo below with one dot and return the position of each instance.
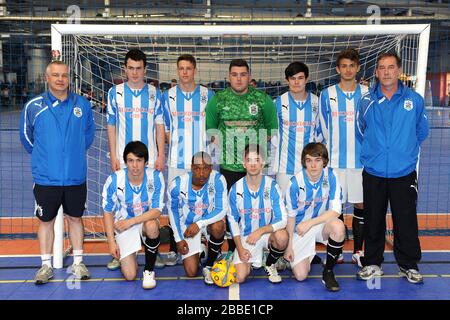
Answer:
(77, 256)
(46, 259)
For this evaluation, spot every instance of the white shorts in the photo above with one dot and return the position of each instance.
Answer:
(195, 243)
(351, 184)
(305, 246)
(255, 250)
(129, 241)
(283, 180)
(173, 173)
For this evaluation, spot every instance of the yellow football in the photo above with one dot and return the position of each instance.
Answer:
(223, 273)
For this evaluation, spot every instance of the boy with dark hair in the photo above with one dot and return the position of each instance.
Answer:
(313, 202)
(337, 107)
(132, 204)
(298, 116)
(125, 124)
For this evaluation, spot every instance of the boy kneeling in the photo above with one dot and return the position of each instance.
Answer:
(132, 204)
(313, 201)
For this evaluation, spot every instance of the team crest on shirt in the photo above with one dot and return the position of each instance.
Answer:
(408, 105)
(77, 112)
(152, 97)
(325, 182)
(203, 99)
(39, 211)
(314, 107)
(150, 187)
(253, 109)
(211, 188)
(266, 194)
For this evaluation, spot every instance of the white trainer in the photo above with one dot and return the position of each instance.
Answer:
(148, 280)
(207, 275)
(272, 272)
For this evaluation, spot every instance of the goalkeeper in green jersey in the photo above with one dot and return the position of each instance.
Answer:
(238, 116)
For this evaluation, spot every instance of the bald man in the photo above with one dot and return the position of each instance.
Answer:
(57, 128)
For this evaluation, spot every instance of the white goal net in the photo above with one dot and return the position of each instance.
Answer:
(95, 55)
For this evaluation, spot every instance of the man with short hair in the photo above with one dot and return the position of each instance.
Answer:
(298, 117)
(132, 204)
(337, 122)
(257, 218)
(184, 116)
(313, 201)
(57, 129)
(392, 124)
(242, 115)
(134, 113)
(197, 205)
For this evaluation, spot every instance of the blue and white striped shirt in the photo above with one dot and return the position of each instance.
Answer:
(185, 119)
(306, 200)
(250, 211)
(337, 123)
(127, 201)
(204, 207)
(135, 114)
(297, 125)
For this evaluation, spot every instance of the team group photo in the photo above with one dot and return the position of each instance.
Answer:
(228, 162)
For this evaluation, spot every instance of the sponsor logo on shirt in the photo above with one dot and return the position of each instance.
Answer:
(254, 213)
(348, 116)
(198, 208)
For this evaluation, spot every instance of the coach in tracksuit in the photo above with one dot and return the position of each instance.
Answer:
(57, 128)
(391, 125)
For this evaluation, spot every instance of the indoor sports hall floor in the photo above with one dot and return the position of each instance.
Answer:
(19, 258)
(16, 283)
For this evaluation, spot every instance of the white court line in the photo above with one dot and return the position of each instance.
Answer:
(141, 253)
(233, 293)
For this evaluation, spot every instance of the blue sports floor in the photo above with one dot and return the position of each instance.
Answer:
(16, 283)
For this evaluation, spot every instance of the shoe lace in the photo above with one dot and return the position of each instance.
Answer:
(271, 270)
(148, 273)
(413, 273)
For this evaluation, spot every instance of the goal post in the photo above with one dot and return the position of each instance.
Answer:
(94, 54)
